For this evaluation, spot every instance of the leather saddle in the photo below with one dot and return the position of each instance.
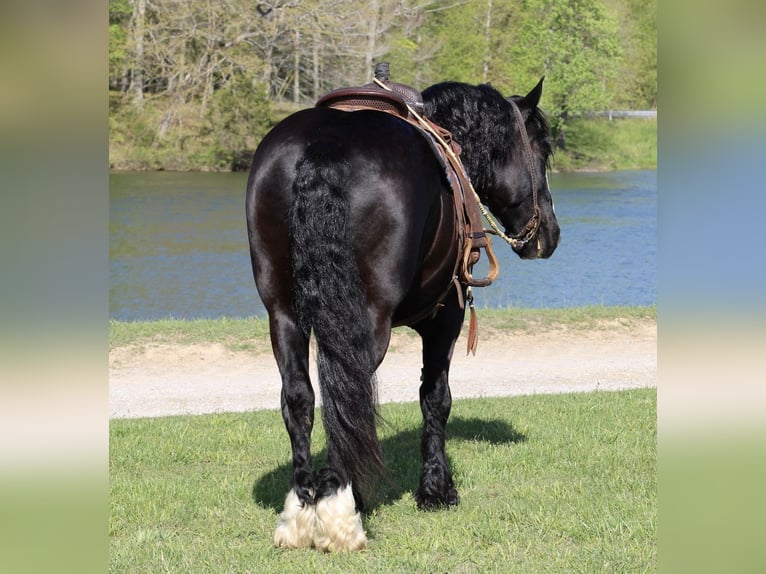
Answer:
(371, 96)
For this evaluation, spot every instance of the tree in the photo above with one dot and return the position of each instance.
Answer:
(575, 45)
(412, 44)
(461, 32)
(640, 70)
(120, 13)
(176, 64)
(237, 120)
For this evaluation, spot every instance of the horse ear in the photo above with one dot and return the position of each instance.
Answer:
(533, 97)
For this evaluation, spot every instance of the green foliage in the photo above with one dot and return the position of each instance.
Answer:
(224, 139)
(600, 144)
(460, 33)
(636, 82)
(119, 17)
(238, 117)
(403, 52)
(557, 483)
(207, 75)
(575, 45)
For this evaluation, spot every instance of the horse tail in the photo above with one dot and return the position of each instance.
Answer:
(330, 299)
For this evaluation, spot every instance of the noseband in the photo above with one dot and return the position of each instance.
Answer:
(519, 240)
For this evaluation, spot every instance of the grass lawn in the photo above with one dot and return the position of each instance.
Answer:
(554, 483)
(252, 334)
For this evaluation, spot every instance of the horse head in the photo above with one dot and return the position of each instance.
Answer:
(506, 150)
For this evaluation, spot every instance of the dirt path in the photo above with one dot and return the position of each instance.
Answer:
(162, 380)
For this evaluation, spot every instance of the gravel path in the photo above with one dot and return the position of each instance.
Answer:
(162, 380)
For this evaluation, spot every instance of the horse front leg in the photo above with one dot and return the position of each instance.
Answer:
(438, 334)
(291, 350)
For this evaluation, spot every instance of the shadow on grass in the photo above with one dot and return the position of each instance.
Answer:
(402, 452)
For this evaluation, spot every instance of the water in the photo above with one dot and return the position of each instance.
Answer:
(178, 247)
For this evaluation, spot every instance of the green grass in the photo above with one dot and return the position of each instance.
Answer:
(237, 334)
(253, 334)
(600, 144)
(579, 318)
(558, 483)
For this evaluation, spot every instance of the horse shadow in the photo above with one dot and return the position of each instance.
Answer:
(403, 464)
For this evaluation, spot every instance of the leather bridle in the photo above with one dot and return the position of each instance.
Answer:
(530, 230)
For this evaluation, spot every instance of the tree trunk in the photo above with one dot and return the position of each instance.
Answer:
(487, 38)
(316, 39)
(372, 38)
(268, 66)
(207, 90)
(136, 88)
(297, 67)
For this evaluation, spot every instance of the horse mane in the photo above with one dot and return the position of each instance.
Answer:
(483, 123)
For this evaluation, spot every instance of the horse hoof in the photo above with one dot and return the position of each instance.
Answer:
(297, 523)
(338, 526)
(453, 499)
(434, 501)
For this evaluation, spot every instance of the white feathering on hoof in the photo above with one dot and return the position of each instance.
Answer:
(338, 525)
(297, 523)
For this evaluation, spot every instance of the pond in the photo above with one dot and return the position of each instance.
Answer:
(178, 247)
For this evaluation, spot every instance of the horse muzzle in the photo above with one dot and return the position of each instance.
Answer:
(542, 244)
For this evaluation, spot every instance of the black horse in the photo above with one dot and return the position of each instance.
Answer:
(351, 226)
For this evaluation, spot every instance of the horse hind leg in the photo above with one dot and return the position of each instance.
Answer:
(322, 509)
(338, 525)
(332, 525)
(339, 499)
(331, 300)
(297, 521)
(436, 487)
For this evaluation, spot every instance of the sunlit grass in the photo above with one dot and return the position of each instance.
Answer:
(238, 334)
(253, 334)
(556, 483)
